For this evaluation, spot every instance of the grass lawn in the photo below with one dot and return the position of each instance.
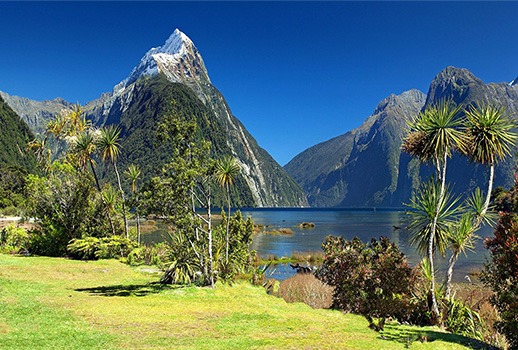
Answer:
(52, 303)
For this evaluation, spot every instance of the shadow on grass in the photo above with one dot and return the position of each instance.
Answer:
(139, 290)
(408, 336)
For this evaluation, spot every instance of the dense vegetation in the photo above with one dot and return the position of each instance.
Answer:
(501, 271)
(152, 99)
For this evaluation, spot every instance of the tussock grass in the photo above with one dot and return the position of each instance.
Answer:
(49, 303)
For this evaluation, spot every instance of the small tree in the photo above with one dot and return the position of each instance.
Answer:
(109, 148)
(372, 279)
(184, 187)
(133, 173)
(226, 171)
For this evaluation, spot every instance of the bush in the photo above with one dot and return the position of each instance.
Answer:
(93, 248)
(13, 239)
(461, 319)
(84, 249)
(148, 255)
(500, 273)
(371, 279)
(65, 206)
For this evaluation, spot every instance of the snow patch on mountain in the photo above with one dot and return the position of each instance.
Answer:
(178, 59)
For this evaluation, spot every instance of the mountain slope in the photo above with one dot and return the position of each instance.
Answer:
(365, 167)
(357, 168)
(14, 134)
(36, 113)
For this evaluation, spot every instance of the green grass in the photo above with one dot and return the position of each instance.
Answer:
(49, 303)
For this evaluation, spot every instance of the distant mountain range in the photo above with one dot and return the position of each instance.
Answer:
(175, 74)
(365, 167)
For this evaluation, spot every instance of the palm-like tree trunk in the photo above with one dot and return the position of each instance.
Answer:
(211, 259)
(123, 199)
(97, 184)
(228, 221)
(440, 198)
(449, 272)
(489, 188)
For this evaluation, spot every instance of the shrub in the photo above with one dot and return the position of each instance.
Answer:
(115, 247)
(13, 239)
(84, 249)
(93, 248)
(148, 255)
(461, 319)
(371, 279)
(500, 273)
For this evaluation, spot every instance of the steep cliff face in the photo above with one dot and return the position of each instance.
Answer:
(365, 167)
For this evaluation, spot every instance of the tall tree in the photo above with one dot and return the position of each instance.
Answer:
(133, 173)
(84, 148)
(433, 135)
(227, 169)
(184, 187)
(488, 139)
(109, 149)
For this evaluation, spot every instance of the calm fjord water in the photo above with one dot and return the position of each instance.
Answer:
(348, 223)
(363, 223)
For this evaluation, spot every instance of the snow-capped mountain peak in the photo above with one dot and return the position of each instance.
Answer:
(178, 59)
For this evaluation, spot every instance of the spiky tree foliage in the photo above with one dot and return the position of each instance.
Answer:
(488, 138)
(109, 149)
(83, 149)
(461, 239)
(227, 169)
(433, 135)
(431, 217)
(133, 173)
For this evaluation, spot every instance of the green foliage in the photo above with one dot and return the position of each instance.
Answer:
(462, 320)
(84, 249)
(183, 263)
(154, 99)
(372, 279)
(149, 255)
(435, 132)
(424, 207)
(65, 206)
(93, 248)
(13, 239)
(240, 257)
(489, 136)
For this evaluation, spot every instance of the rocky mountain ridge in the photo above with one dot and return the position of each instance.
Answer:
(366, 168)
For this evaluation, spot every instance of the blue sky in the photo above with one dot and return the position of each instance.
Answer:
(295, 73)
